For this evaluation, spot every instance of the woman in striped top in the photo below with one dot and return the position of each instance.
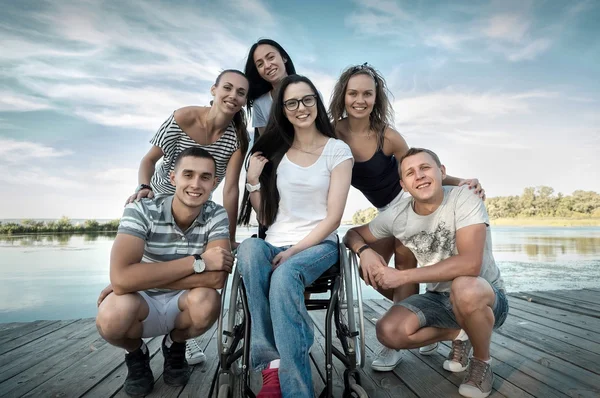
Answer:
(220, 129)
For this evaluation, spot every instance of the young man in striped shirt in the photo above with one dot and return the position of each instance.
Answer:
(170, 256)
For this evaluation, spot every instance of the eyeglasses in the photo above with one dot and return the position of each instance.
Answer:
(293, 104)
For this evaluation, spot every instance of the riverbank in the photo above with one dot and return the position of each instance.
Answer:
(546, 222)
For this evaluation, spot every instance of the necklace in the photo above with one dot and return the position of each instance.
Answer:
(368, 134)
(311, 152)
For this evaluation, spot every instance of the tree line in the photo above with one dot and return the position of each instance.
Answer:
(62, 225)
(534, 202)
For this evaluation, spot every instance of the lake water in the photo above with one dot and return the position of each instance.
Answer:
(60, 276)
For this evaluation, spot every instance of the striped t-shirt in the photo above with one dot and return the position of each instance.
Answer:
(152, 221)
(173, 140)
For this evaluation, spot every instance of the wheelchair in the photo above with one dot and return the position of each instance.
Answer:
(343, 304)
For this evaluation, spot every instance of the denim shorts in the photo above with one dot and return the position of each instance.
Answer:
(435, 309)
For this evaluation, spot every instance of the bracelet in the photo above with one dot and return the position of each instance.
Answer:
(143, 186)
(362, 249)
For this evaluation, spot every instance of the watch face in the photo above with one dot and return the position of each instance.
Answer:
(199, 265)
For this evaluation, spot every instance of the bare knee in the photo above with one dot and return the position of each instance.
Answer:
(403, 257)
(390, 334)
(204, 306)
(468, 294)
(117, 314)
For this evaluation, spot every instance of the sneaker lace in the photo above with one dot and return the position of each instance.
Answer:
(136, 365)
(192, 347)
(384, 352)
(459, 349)
(477, 372)
(176, 358)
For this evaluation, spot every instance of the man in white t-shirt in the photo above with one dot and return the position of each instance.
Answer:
(447, 229)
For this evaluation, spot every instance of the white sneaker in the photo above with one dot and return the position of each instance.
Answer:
(387, 359)
(193, 352)
(428, 349)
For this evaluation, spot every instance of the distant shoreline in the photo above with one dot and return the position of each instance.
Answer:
(546, 222)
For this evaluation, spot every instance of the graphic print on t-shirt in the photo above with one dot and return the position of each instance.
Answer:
(432, 247)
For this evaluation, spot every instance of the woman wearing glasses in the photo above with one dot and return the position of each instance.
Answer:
(299, 177)
(362, 115)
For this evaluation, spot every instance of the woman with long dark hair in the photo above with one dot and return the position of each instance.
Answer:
(266, 65)
(221, 130)
(298, 178)
(362, 116)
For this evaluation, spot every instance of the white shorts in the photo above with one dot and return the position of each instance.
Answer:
(163, 309)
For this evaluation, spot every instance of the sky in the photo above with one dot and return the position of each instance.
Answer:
(503, 91)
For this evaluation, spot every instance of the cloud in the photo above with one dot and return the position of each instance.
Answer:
(123, 64)
(509, 27)
(11, 101)
(22, 151)
(471, 35)
(530, 51)
(450, 107)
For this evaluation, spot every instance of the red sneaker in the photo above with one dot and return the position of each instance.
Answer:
(270, 387)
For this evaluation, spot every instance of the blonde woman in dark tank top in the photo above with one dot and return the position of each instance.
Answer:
(362, 115)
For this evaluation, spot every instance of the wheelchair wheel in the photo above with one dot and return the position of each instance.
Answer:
(357, 391)
(235, 317)
(224, 392)
(350, 303)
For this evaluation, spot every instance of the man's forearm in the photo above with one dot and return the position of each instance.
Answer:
(444, 271)
(141, 276)
(211, 279)
(353, 240)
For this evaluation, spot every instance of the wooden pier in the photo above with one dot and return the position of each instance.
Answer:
(548, 347)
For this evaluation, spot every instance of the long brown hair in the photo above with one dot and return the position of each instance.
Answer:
(239, 119)
(274, 143)
(382, 114)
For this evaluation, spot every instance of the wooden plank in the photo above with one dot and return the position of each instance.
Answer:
(550, 323)
(82, 374)
(165, 391)
(547, 369)
(30, 338)
(375, 383)
(318, 354)
(579, 295)
(580, 321)
(5, 327)
(201, 377)
(502, 384)
(22, 329)
(567, 338)
(27, 356)
(420, 368)
(112, 382)
(77, 346)
(574, 301)
(563, 304)
(552, 346)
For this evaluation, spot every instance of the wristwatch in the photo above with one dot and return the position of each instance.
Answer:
(143, 186)
(252, 188)
(199, 265)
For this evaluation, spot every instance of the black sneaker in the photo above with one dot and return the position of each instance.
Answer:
(139, 381)
(176, 371)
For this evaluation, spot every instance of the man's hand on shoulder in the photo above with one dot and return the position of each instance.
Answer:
(218, 259)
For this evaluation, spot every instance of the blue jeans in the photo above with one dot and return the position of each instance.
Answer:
(281, 327)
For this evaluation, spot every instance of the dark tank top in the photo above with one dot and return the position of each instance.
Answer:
(377, 178)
